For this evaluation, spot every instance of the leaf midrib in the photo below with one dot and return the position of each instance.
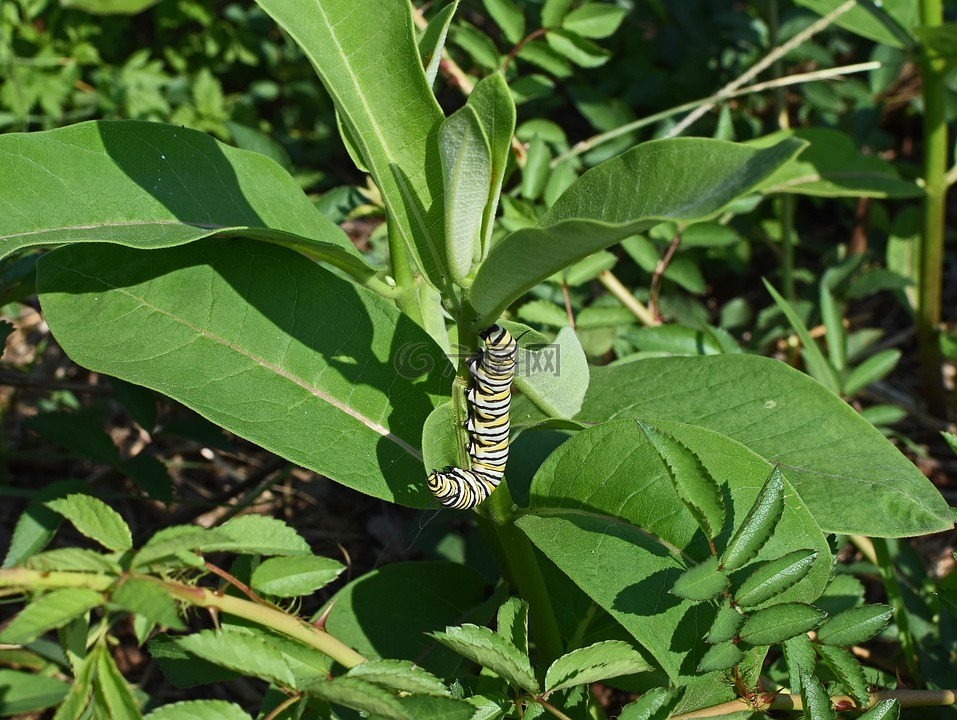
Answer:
(311, 389)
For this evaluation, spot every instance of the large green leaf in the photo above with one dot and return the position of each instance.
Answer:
(605, 511)
(261, 341)
(852, 479)
(467, 167)
(366, 56)
(387, 613)
(150, 185)
(493, 104)
(832, 166)
(26, 692)
(887, 22)
(682, 179)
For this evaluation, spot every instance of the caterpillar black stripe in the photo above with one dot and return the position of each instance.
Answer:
(489, 399)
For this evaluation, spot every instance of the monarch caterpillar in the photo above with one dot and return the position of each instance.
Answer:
(489, 399)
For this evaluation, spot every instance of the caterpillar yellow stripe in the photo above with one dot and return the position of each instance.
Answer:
(489, 399)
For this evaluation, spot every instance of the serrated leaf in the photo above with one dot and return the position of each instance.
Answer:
(359, 695)
(855, 625)
(399, 676)
(182, 669)
(488, 706)
(702, 582)
(199, 710)
(260, 534)
(491, 651)
(113, 688)
(25, 693)
(170, 542)
(757, 526)
(726, 624)
(94, 519)
(51, 610)
(77, 699)
(656, 704)
(147, 598)
(695, 486)
(467, 173)
(575, 226)
(784, 417)
(884, 710)
(774, 577)
(294, 576)
(848, 670)
(798, 655)
(36, 526)
(816, 702)
(779, 622)
(602, 508)
(595, 20)
(512, 623)
(601, 661)
(240, 651)
(76, 559)
(721, 656)
(432, 707)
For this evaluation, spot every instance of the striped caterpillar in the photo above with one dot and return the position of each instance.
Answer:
(489, 399)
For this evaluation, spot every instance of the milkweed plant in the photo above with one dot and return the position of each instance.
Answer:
(664, 526)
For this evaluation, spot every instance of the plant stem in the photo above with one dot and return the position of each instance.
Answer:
(885, 566)
(520, 568)
(586, 145)
(406, 297)
(932, 242)
(907, 698)
(768, 60)
(788, 287)
(264, 615)
(624, 296)
(552, 709)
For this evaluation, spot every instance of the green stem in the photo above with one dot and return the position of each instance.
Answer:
(406, 297)
(885, 567)
(816, 76)
(552, 709)
(932, 242)
(264, 615)
(788, 287)
(520, 567)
